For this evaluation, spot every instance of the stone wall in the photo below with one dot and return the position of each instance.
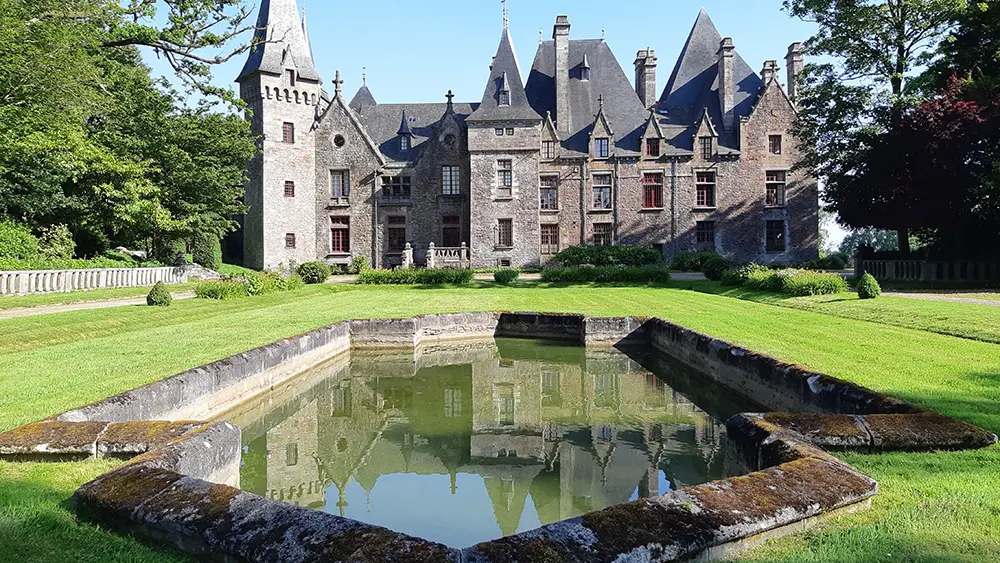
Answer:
(62, 281)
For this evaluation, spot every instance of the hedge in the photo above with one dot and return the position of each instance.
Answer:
(314, 272)
(692, 261)
(814, 283)
(206, 250)
(868, 287)
(247, 285)
(790, 281)
(404, 276)
(631, 256)
(605, 275)
(715, 267)
(506, 277)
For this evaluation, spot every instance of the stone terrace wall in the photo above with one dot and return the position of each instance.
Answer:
(62, 281)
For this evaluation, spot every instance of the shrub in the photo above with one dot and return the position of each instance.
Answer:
(168, 250)
(833, 261)
(221, 290)
(631, 256)
(159, 296)
(692, 261)
(263, 283)
(605, 275)
(506, 277)
(16, 241)
(868, 287)
(404, 276)
(57, 242)
(739, 276)
(714, 267)
(814, 283)
(763, 280)
(359, 264)
(314, 272)
(206, 250)
(294, 282)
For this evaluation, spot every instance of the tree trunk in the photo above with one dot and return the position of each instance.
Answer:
(904, 241)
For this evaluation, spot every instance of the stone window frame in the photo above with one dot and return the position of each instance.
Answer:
(498, 131)
(706, 146)
(550, 204)
(504, 100)
(345, 183)
(290, 242)
(657, 203)
(340, 231)
(549, 241)
(651, 144)
(290, 73)
(509, 131)
(607, 198)
(289, 188)
(288, 133)
(504, 233)
(775, 141)
(781, 238)
(779, 181)
(403, 182)
(602, 227)
(548, 150)
(451, 180)
(699, 182)
(602, 147)
(705, 232)
(395, 234)
(505, 178)
(451, 223)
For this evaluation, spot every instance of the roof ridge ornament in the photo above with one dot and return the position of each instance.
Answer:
(506, 14)
(364, 76)
(337, 84)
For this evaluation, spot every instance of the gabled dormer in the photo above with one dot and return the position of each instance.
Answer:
(706, 138)
(585, 69)
(448, 130)
(404, 135)
(601, 133)
(503, 94)
(550, 139)
(653, 140)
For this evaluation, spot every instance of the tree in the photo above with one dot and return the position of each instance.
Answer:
(881, 241)
(846, 107)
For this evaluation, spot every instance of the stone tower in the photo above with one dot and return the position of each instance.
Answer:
(282, 89)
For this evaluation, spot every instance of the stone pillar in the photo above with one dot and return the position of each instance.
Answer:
(408, 256)
(464, 256)
(431, 255)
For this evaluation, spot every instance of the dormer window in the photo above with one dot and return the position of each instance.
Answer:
(707, 148)
(602, 147)
(404, 144)
(585, 73)
(653, 148)
(504, 99)
(291, 77)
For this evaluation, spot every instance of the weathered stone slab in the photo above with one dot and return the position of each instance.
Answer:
(56, 439)
(924, 431)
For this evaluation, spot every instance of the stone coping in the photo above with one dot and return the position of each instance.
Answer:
(172, 488)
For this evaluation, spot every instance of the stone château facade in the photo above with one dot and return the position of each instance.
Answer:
(573, 155)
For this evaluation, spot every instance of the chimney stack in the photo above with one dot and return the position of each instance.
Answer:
(645, 77)
(795, 62)
(560, 36)
(769, 72)
(727, 82)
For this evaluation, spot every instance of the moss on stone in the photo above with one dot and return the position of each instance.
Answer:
(56, 435)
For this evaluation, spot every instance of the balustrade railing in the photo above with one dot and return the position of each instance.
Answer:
(929, 270)
(445, 257)
(63, 281)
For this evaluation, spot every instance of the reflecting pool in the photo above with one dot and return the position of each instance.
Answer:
(466, 442)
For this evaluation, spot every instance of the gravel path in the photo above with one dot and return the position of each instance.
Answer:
(943, 297)
(82, 306)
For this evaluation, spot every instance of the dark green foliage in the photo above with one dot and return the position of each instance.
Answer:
(358, 264)
(506, 277)
(740, 276)
(605, 275)
(868, 287)
(313, 272)
(814, 283)
(159, 296)
(16, 241)
(692, 261)
(206, 250)
(403, 276)
(714, 267)
(833, 261)
(622, 255)
(169, 250)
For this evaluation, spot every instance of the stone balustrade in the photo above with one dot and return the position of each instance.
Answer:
(444, 257)
(63, 281)
(929, 271)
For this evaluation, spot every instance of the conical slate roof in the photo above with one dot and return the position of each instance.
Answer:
(505, 70)
(282, 42)
(363, 99)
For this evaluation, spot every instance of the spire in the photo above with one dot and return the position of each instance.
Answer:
(699, 54)
(305, 31)
(404, 126)
(280, 42)
(363, 99)
(506, 15)
(505, 76)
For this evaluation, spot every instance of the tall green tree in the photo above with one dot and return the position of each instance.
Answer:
(849, 104)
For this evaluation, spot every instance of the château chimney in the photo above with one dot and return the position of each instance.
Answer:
(645, 77)
(769, 72)
(795, 62)
(727, 82)
(560, 36)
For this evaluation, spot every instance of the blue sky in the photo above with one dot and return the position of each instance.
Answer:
(417, 51)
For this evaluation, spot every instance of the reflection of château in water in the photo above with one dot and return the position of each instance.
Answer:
(575, 428)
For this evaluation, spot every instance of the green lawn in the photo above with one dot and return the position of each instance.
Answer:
(18, 301)
(932, 507)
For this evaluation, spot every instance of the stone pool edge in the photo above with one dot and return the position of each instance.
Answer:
(165, 492)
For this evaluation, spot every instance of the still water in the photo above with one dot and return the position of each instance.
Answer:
(468, 442)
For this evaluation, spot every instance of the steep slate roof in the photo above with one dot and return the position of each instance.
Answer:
(363, 99)
(504, 67)
(622, 106)
(383, 122)
(694, 85)
(280, 33)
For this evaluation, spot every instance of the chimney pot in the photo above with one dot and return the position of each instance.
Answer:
(794, 64)
(560, 37)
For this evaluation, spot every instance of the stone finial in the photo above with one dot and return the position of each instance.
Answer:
(451, 103)
(364, 76)
(337, 85)
(506, 14)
